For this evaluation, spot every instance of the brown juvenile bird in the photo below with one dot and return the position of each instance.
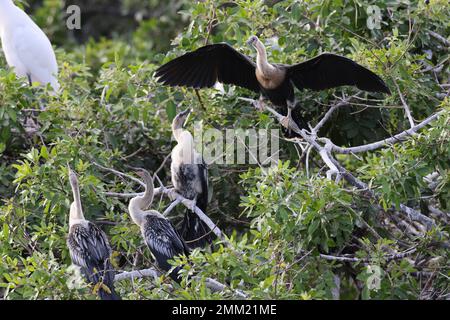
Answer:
(213, 63)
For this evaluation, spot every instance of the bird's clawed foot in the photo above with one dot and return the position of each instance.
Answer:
(190, 204)
(260, 104)
(286, 122)
(330, 173)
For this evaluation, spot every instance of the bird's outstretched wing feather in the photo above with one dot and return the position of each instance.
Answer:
(329, 70)
(207, 65)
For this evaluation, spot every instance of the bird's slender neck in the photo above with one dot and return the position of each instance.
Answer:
(177, 130)
(184, 152)
(76, 211)
(261, 59)
(177, 133)
(185, 148)
(138, 204)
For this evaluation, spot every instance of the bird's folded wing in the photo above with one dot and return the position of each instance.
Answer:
(88, 246)
(162, 238)
(205, 66)
(329, 70)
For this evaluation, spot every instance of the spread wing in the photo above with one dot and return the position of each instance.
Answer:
(329, 70)
(207, 65)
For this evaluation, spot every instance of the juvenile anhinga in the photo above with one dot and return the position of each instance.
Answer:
(89, 247)
(205, 66)
(190, 179)
(158, 232)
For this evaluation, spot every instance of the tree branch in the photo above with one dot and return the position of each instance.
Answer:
(394, 139)
(439, 37)
(173, 195)
(336, 168)
(210, 283)
(390, 257)
(405, 105)
(330, 111)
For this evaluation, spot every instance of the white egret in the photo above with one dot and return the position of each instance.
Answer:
(27, 49)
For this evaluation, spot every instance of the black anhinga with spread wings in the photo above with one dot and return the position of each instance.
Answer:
(159, 234)
(220, 62)
(89, 247)
(190, 179)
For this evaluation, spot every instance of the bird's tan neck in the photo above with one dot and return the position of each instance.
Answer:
(268, 75)
(264, 67)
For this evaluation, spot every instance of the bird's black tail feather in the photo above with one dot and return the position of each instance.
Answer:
(104, 295)
(104, 274)
(193, 230)
(174, 274)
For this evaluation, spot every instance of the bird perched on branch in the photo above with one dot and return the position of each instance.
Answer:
(158, 232)
(190, 179)
(27, 49)
(220, 62)
(89, 247)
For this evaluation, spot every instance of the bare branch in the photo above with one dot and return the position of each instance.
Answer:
(124, 195)
(211, 283)
(190, 204)
(334, 107)
(171, 207)
(174, 196)
(394, 139)
(439, 37)
(405, 105)
(137, 274)
(389, 257)
(116, 172)
(336, 168)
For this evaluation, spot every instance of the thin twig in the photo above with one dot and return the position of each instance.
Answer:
(405, 106)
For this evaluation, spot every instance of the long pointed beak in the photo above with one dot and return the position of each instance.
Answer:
(70, 169)
(185, 112)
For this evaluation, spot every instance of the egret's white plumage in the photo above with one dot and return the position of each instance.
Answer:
(27, 49)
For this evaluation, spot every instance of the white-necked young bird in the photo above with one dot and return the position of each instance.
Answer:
(89, 247)
(190, 179)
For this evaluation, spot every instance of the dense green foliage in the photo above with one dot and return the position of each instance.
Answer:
(278, 220)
